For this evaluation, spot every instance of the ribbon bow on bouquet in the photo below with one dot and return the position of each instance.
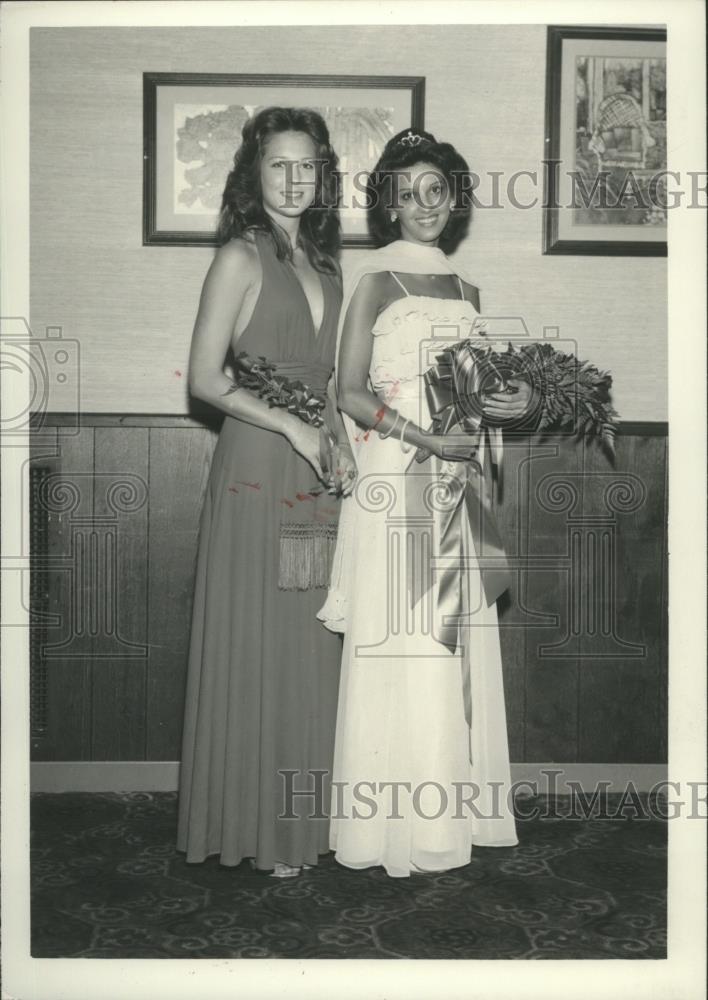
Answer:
(454, 388)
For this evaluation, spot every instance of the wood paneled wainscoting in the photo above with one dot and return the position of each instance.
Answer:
(114, 511)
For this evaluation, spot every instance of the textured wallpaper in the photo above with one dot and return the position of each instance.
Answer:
(131, 308)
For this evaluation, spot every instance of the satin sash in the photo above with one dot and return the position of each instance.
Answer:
(467, 494)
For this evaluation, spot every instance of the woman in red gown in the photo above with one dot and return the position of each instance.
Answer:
(263, 673)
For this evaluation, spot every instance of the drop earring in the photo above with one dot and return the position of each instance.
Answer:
(394, 217)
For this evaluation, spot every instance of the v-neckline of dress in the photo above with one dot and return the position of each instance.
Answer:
(316, 330)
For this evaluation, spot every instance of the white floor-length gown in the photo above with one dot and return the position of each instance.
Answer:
(401, 715)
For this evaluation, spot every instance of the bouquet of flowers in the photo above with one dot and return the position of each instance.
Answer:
(259, 376)
(568, 394)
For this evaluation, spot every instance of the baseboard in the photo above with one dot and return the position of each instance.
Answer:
(104, 776)
(203, 415)
(561, 779)
(163, 775)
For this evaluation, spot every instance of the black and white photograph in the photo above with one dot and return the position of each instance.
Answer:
(353, 500)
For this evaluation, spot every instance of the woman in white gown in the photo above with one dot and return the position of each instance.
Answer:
(421, 765)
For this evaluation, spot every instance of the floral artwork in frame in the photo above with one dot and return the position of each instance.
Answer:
(192, 128)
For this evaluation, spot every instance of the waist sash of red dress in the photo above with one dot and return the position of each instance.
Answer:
(308, 518)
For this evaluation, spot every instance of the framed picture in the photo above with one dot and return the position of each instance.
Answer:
(605, 160)
(192, 128)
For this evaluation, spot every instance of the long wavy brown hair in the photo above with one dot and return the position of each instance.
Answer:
(242, 202)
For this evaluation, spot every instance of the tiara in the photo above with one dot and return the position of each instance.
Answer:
(411, 139)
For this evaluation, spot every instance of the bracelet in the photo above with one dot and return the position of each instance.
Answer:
(385, 434)
(405, 447)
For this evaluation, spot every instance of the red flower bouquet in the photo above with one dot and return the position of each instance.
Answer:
(260, 376)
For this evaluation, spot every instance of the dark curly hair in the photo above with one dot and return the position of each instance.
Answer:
(403, 151)
(242, 203)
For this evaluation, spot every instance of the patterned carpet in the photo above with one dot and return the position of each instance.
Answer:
(108, 883)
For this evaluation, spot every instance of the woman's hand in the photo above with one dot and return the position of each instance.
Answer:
(504, 407)
(343, 469)
(305, 439)
(454, 447)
